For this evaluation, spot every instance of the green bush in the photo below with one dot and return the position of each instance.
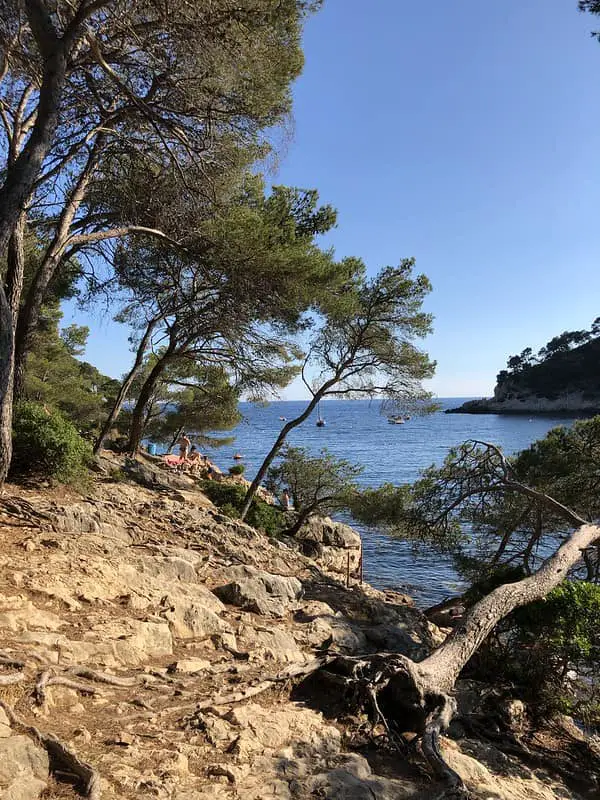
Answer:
(229, 499)
(536, 647)
(47, 444)
(237, 469)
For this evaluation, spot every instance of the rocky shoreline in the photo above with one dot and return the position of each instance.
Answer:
(575, 404)
(151, 647)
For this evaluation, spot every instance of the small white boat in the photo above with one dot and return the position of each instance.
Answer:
(396, 420)
(320, 423)
(283, 419)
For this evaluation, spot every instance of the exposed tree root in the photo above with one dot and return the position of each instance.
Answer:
(104, 677)
(393, 691)
(10, 661)
(63, 760)
(13, 677)
(47, 678)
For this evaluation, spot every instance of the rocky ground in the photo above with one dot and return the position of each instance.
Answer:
(153, 648)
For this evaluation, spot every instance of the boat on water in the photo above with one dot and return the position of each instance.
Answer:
(320, 423)
(283, 419)
(396, 420)
(238, 456)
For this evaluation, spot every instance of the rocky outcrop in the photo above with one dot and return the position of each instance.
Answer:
(335, 546)
(568, 403)
(259, 591)
(159, 640)
(24, 766)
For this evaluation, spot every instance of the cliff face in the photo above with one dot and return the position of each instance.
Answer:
(563, 382)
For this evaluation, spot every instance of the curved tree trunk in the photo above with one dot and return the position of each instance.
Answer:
(289, 426)
(126, 385)
(23, 173)
(54, 257)
(443, 666)
(418, 695)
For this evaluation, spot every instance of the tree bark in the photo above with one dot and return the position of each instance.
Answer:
(23, 173)
(418, 695)
(442, 668)
(126, 385)
(9, 307)
(176, 438)
(289, 426)
(54, 256)
(139, 412)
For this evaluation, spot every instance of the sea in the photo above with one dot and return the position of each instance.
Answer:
(358, 430)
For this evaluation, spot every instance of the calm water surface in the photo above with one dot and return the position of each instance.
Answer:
(357, 431)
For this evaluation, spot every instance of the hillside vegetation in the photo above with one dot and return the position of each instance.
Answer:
(562, 377)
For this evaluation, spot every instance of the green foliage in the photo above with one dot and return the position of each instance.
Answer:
(229, 498)
(365, 348)
(47, 444)
(321, 483)
(566, 624)
(56, 377)
(538, 645)
(189, 397)
(237, 469)
(469, 506)
(567, 363)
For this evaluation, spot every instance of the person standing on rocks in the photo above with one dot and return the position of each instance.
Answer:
(184, 446)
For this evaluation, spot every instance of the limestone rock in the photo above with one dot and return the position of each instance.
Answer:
(23, 769)
(329, 533)
(334, 545)
(337, 634)
(259, 591)
(490, 773)
(351, 779)
(190, 665)
(193, 621)
(397, 638)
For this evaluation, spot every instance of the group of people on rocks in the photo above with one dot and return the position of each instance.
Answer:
(191, 459)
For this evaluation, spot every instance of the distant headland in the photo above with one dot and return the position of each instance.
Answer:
(563, 378)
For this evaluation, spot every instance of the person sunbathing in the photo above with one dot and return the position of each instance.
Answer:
(196, 460)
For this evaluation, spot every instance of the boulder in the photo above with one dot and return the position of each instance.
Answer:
(351, 779)
(259, 591)
(334, 545)
(23, 769)
(190, 620)
(154, 476)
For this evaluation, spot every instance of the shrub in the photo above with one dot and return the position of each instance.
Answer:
(47, 444)
(538, 645)
(229, 499)
(237, 469)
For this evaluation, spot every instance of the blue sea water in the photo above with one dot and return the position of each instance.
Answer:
(357, 430)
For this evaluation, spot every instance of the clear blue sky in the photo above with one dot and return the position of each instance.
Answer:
(465, 134)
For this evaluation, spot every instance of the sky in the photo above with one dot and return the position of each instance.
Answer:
(465, 134)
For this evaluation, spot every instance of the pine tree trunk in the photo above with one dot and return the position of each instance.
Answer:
(442, 668)
(279, 442)
(126, 385)
(23, 173)
(138, 418)
(9, 306)
(176, 438)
